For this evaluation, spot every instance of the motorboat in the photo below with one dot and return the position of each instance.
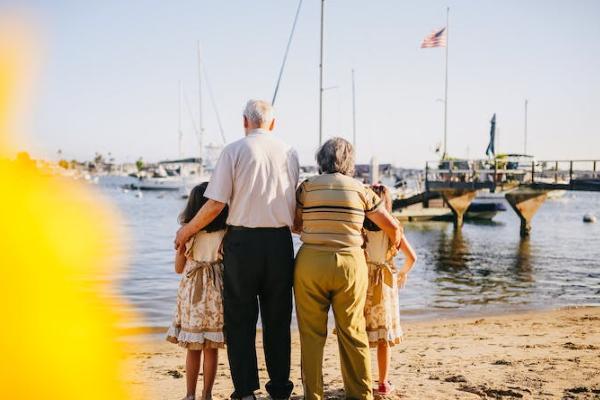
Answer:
(172, 175)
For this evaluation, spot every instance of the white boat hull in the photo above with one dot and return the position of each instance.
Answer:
(165, 184)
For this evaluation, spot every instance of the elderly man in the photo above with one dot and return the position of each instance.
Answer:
(257, 176)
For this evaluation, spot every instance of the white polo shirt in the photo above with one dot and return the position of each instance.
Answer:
(257, 176)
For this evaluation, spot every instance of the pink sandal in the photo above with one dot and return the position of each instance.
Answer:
(385, 388)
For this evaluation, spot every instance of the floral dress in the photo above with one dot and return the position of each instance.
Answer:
(198, 321)
(382, 308)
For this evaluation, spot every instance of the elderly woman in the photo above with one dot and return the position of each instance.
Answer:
(331, 270)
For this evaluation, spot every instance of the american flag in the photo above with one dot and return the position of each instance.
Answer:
(436, 38)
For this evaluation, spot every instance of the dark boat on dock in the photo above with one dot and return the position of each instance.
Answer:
(414, 209)
(484, 210)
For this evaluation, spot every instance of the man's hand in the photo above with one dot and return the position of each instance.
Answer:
(181, 238)
(207, 213)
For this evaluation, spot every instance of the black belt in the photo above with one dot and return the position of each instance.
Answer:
(261, 229)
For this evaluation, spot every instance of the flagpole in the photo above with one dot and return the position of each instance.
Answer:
(445, 153)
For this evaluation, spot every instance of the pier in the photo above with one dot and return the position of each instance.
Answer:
(525, 184)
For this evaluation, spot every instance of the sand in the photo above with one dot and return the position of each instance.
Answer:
(534, 355)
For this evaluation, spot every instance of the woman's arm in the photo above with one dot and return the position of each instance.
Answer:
(384, 220)
(179, 261)
(410, 258)
(297, 228)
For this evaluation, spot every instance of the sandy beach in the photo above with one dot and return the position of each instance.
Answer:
(534, 355)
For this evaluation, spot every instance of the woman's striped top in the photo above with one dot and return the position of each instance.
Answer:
(333, 210)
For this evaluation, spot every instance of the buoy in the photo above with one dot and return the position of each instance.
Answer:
(139, 194)
(589, 218)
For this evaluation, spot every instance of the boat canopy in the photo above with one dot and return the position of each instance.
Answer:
(191, 160)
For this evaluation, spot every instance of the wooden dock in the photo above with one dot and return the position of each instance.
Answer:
(526, 184)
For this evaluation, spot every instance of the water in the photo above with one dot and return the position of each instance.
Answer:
(484, 268)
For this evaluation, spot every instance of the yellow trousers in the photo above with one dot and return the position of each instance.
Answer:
(324, 278)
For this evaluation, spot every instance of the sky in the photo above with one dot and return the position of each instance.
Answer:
(109, 72)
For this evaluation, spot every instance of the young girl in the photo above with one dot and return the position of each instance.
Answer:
(382, 310)
(198, 322)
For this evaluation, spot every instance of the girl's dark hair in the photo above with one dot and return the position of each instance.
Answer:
(195, 202)
(385, 196)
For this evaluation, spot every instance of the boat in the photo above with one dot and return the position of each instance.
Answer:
(555, 194)
(184, 173)
(156, 183)
(484, 210)
(413, 209)
(417, 213)
(169, 175)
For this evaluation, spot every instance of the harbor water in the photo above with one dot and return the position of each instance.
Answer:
(483, 268)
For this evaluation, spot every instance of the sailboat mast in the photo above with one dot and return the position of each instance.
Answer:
(321, 78)
(353, 112)
(179, 129)
(200, 115)
(525, 130)
(287, 50)
(445, 153)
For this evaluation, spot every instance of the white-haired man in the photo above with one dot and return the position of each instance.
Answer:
(257, 176)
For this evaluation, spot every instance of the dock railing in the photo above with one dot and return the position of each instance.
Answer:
(503, 174)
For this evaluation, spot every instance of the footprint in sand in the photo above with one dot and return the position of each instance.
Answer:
(573, 346)
(455, 379)
(174, 373)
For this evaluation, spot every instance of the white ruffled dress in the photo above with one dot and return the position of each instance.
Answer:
(198, 321)
(382, 308)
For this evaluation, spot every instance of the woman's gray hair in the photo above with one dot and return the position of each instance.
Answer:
(336, 155)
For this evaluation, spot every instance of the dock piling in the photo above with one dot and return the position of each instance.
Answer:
(459, 201)
(526, 202)
(527, 183)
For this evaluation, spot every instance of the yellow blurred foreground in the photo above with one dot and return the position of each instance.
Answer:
(58, 338)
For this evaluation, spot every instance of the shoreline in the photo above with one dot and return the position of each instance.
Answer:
(531, 355)
(437, 316)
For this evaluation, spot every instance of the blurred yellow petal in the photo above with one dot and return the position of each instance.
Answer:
(58, 336)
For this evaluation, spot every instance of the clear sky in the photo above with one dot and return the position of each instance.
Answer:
(110, 70)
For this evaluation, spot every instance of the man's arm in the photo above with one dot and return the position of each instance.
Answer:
(218, 193)
(207, 213)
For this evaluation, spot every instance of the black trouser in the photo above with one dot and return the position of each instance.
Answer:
(259, 265)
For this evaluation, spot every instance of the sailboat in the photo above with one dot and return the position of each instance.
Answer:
(183, 174)
(171, 175)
